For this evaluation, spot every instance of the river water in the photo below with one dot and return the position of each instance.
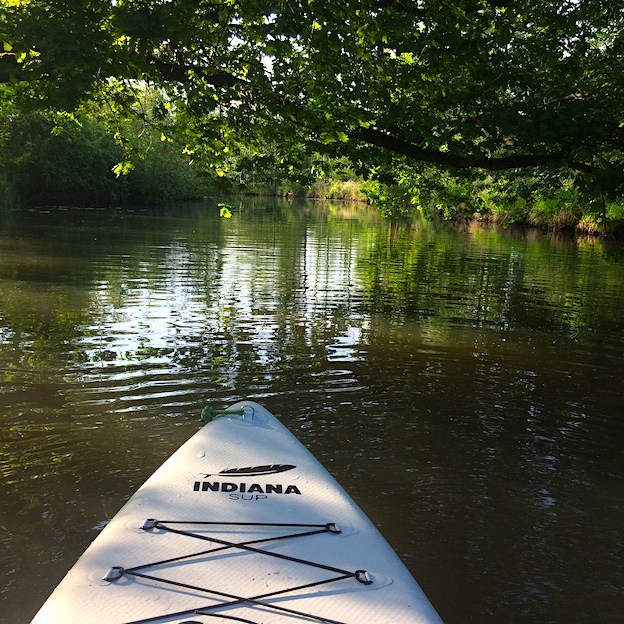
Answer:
(465, 386)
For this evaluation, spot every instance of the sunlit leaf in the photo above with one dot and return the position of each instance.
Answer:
(225, 211)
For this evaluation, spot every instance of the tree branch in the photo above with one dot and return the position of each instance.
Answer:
(436, 157)
(179, 73)
(8, 66)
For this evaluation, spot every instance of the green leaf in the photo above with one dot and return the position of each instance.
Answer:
(123, 168)
(225, 211)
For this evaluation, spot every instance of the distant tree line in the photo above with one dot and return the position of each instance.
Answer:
(80, 160)
(55, 159)
(96, 158)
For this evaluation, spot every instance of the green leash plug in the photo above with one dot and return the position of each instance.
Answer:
(209, 413)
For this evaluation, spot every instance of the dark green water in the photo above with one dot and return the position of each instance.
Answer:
(465, 387)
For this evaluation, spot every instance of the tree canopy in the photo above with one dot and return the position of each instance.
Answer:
(486, 84)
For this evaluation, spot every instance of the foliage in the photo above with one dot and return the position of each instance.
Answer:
(58, 161)
(225, 210)
(73, 160)
(483, 84)
(316, 176)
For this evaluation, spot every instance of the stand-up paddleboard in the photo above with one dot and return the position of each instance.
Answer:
(241, 524)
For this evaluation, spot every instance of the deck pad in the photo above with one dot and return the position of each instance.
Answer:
(241, 524)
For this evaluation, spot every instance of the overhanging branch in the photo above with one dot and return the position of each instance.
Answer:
(8, 66)
(446, 159)
(180, 73)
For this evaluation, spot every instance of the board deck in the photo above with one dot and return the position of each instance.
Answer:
(241, 524)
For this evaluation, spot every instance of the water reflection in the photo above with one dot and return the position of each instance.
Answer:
(464, 386)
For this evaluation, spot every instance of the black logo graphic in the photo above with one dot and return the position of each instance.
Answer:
(253, 471)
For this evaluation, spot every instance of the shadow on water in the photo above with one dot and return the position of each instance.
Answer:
(464, 386)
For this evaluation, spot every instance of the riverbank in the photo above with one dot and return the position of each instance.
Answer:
(563, 221)
(553, 216)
